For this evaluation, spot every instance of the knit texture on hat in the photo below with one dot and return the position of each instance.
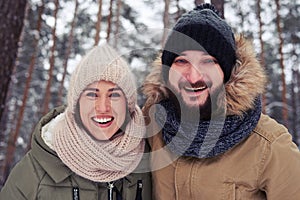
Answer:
(201, 29)
(102, 63)
(100, 161)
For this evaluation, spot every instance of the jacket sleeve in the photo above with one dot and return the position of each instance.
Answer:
(280, 177)
(22, 182)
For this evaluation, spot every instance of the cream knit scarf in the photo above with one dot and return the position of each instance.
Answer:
(99, 161)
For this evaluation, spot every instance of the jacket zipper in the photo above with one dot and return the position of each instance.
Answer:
(110, 186)
(139, 190)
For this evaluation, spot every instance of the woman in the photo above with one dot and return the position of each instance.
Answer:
(90, 148)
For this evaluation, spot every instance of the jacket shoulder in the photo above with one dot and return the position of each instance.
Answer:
(269, 129)
(27, 186)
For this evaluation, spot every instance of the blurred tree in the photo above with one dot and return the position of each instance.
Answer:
(219, 4)
(166, 21)
(261, 42)
(11, 147)
(280, 47)
(12, 14)
(98, 23)
(51, 61)
(68, 50)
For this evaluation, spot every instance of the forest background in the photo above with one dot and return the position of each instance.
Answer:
(41, 41)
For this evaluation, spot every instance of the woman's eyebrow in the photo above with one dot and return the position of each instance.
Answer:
(114, 89)
(97, 90)
(91, 89)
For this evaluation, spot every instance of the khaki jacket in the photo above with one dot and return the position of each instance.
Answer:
(266, 165)
(41, 175)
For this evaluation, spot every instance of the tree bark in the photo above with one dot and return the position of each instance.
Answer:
(283, 94)
(67, 54)
(98, 23)
(51, 62)
(109, 20)
(219, 4)
(117, 23)
(12, 14)
(198, 2)
(262, 50)
(166, 21)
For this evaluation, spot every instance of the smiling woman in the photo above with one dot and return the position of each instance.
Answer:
(93, 147)
(102, 107)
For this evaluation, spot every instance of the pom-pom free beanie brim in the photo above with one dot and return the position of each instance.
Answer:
(204, 30)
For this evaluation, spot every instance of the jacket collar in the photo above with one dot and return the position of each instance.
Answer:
(44, 155)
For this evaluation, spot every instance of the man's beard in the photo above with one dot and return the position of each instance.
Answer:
(212, 106)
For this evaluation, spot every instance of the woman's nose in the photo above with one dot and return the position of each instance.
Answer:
(102, 104)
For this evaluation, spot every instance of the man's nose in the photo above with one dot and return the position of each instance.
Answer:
(193, 74)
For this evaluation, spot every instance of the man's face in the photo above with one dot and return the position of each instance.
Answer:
(102, 109)
(195, 76)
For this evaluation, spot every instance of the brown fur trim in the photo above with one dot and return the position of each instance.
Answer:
(247, 79)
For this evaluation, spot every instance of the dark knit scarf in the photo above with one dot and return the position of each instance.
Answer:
(204, 139)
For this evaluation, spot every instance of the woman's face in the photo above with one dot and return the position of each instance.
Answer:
(102, 107)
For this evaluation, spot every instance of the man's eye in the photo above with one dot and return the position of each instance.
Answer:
(180, 61)
(209, 61)
(91, 94)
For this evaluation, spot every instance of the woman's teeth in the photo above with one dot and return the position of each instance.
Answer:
(102, 120)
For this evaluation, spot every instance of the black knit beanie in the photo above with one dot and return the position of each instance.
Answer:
(201, 29)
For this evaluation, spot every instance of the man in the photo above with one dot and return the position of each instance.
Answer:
(209, 138)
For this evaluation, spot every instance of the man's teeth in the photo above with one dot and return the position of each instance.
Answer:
(191, 89)
(102, 120)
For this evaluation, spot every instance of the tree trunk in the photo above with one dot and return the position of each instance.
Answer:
(67, 54)
(262, 51)
(198, 2)
(51, 62)
(295, 106)
(119, 5)
(109, 20)
(219, 4)
(98, 24)
(166, 21)
(284, 99)
(178, 14)
(12, 14)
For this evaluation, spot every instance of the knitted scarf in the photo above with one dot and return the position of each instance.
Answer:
(99, 161)
(204, 139)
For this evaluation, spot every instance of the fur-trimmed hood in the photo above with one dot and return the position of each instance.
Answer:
(246, 83)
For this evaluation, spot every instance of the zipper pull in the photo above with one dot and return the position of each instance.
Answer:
(139, 190)
(75, 193)
(110, 186)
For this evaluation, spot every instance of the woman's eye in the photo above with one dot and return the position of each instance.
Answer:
(114, 95)
(91, 94)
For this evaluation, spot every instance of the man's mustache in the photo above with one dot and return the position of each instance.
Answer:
(198, 84)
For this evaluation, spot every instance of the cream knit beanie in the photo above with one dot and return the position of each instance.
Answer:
(100, 161)
(102, 63)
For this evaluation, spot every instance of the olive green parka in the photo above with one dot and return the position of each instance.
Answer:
(41, 175)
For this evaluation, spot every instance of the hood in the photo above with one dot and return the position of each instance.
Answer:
(246, 83)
